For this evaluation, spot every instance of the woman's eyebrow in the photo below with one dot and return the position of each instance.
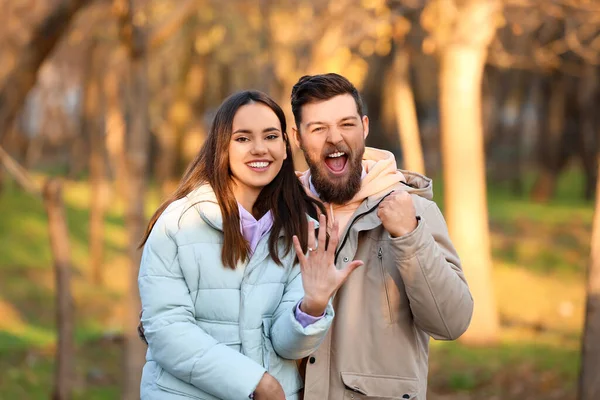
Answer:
(249, 132)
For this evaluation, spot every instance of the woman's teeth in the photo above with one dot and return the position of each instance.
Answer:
(259, 164)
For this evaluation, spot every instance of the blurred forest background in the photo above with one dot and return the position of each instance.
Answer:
(103, 103)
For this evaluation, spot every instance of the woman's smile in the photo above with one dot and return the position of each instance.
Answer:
(259, 165)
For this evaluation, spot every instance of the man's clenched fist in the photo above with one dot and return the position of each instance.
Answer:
(397, 214)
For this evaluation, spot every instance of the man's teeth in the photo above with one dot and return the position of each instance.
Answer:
(335, 155)
(263, 164)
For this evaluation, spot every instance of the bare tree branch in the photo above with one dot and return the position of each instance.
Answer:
(19, 173)
(21, 79)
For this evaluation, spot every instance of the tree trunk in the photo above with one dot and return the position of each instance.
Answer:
(587, 134)
(59, 243)
(92, 125)
(195, 133)
(406, 113)
(22, 77)
(589, 380)
(463, 157)
(492, 96)
(181, 141)
(114, 125)
(171, 137)
(138, 142)
(551, 149)
(374, 98)
(513, 132)
(78, 155)
(137, 155)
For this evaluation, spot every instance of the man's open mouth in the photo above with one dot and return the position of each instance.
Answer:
(336, 162)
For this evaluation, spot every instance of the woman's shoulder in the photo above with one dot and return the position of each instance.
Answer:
(174, 212)
(185, 213)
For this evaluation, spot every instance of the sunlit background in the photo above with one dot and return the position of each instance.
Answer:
(114, 97)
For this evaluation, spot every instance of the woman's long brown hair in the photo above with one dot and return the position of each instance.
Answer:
(285, 196)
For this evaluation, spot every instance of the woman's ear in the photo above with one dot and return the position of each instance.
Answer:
(286, 143)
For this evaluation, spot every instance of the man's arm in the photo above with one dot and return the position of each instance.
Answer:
(436, 287)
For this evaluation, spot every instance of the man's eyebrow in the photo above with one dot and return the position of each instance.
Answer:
(325, 123)
(315, 123)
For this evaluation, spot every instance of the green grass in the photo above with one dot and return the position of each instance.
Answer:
(546, 238)
(504, 369)
(540, 254)
(28, 374)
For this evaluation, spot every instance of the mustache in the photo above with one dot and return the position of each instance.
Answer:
(335, 149)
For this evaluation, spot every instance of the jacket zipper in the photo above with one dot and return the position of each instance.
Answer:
(387, 294)
(339, 249)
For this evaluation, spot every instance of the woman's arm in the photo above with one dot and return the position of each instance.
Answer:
(289, 338)
(313, 283)
(177, 344)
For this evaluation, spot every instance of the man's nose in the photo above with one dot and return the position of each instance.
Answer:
(334, 135)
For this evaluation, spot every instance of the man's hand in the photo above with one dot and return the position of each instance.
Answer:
(320, 278)
(269, 389)
(397, 214)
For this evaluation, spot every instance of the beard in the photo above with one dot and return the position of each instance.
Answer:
(336, 190)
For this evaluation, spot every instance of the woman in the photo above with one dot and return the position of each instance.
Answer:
(225, 308)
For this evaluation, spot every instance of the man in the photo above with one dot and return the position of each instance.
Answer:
(411, 286)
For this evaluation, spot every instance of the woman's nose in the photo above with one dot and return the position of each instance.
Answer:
(259, 147)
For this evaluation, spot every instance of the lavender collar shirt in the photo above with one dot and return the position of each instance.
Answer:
(253, 230)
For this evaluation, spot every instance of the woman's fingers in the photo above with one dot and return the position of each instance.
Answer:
(311, 242)
(299, 253)
(322, 232)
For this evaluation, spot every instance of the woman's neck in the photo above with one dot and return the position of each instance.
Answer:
(246, 197)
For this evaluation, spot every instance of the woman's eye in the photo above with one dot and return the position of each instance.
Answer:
(242, 139)
(272, 137)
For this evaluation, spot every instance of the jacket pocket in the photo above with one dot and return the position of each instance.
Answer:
(379, 387)
(171, 384)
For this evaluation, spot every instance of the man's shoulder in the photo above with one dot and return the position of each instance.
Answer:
(422, 203)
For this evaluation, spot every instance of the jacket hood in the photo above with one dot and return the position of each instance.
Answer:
(381, 177)
(418, 184)
(204, 200)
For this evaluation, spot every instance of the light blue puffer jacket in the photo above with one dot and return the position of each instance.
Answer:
(213, 331)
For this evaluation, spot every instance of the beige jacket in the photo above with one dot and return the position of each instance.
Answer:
(409, 289)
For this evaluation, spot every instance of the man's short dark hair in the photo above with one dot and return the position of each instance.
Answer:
(313, 88)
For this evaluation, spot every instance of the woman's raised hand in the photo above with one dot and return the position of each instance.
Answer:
(320, 278)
